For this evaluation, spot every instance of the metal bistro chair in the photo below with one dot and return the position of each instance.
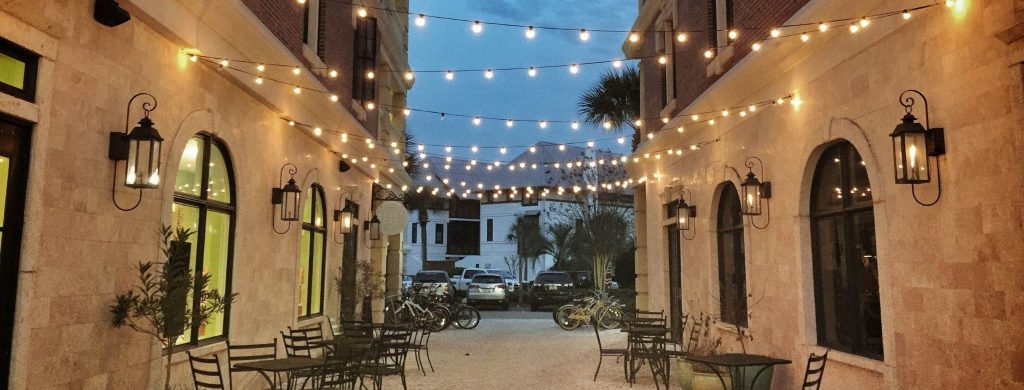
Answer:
(241, 353)
(359, 329)
(303, 342)
(616, 352)
(421, 342)
(649, 349)
(206, 372)
(387, 357)
(816, 369)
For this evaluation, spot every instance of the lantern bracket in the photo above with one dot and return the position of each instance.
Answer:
(344, 201)
(119, 147)
(690, 210)
(277, 196)
(935, 142)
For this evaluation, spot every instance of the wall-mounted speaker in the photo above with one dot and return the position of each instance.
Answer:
(109, 13)
(343, 166)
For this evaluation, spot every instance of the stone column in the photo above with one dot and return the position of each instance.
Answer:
(378, 258)
(640, 211)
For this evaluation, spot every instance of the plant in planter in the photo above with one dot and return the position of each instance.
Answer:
(369, 285)
(698, 376)
(158, 305)
(744, 335)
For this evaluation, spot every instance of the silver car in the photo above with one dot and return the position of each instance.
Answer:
(511, 280)
(490, 289)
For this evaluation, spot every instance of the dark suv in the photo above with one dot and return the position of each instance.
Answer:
(550, 288)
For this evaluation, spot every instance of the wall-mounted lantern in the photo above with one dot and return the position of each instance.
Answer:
(755, 195)
(685, 214)
(345, 217)
(140, 150)
(287, 197)
(913, 144)
(373, 227)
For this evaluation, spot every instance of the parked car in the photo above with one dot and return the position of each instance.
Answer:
(406, 282)
(433, 282)
(550, 288)
(511, 280)
(488, 288)
(462, 284)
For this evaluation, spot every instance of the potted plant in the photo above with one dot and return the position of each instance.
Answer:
(369, 286)
(697, 376)
(748, 374)
(158, 305)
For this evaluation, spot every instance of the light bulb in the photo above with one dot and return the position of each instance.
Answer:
(317, 131)
(489, 74)
(775, 33)
(711, 122)
(805, 37)
(584, 35)
(531, 32)
(420, 147)
(864, 22)
(296, 71)
(709, 53)
(854, 28)
(621, 140)
(476, 121)
(344, 138)
(291, 123)
(590, 144)
(574, 69)
(502, 150)
(662, 60)
(756, 46)
(509, 123)
(733, 34)
(334, 98)
(752, 108)
(533, 149)
(532, 72)
(478, 27)
(421, 20)
(617, 64)
(561, 147)
(406, 111)
(333, 73)
(725, 112)
(361, 12)
(575, 125)
(474, 148)
(822, 27)
(370, 106)
(449, 75)
(906, 15)
(634, 37)
(543, 124)
(650, 135)
(680, 129)
(297, 90)
(664, 119)
(261, 68)
(409, 75)
(607, 125)
(638, 122)
(224, 63)
(259, 80)
(371, 74)
(695, 117)
(192, 58)
(682, 37)
(448, 149)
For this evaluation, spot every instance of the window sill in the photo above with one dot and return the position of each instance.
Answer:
(315, 319)
(849, 359)
(314, 59)
(717, 65)
(728, 327)
(358, 110)
(205, 348)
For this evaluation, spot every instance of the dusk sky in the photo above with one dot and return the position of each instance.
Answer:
(552, 94)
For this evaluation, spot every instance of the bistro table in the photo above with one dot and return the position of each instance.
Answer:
(733, 361)
(278, 366)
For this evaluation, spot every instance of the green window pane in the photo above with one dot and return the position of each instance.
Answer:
(318, 267)
(303, 282)
(307, 207)
(190, 174)
(5, 167)
(218, 187)
(12, 71)
(187, 217)
(215, 264)
(318, 211)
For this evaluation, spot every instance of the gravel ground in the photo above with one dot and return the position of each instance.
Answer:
(520, 350)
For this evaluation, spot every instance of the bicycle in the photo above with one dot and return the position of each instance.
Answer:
(404, 309)
(600, 308)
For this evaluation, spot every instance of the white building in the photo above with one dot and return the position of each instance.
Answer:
(489, 198)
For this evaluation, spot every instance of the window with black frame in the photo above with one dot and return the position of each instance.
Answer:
(364, 88)
(732, 275)
(18, 68)
(847, 305)
(312, 253)
(204, 202)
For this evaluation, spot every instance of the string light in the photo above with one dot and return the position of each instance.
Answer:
(406, 111)
(854, 28)
(297, 90)
(805, 37)
(532, 72)
(775, 33)
(607, 125)
(709, 53)
(906, 15)
(544, 124)
(574, 68)
(662, 60)
(334, 98)
(361, 12)
(756, 46)
(332, 74)
(476, 121)
(449, 75)
(421, 20)
(478, 27)
(584, 35)
(409, 75)
(682, 37)
(531, 32)
(371, 75)
(259, 80)
(822, 27)
(489, 73)
(509, 123)
(617, 64)
(296, 71)
(575, 125)
(864, 22)
(733, 34)
(371, 105)
(634, 37)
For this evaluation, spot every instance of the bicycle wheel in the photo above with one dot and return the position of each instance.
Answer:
(467, 317)
(563, 317)
(611, 317)
(436, 320)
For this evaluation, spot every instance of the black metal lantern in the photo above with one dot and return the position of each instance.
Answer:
(685, 214)
(344, 218)
(754, 193)
(288, 197)
(913, 143)
(373, 226)
(140, 149)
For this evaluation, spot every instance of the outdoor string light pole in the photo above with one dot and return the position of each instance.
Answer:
(140, 149)
(287, 197)
(913, 144)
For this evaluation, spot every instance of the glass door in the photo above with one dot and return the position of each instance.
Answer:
(14, 145)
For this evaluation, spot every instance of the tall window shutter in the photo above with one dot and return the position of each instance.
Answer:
(364, 89)
(713, 24)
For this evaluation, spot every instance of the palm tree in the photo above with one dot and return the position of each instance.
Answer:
(615, 99)
(560, 236)
(530, 240)
(421, 202)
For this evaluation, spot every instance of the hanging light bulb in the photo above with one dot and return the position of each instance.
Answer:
(224, 63)
(297, 90)
(449, 75)
(489, 73)
(370, 106)
(695, 117)
(409, 75)
(261, 68)
(193, 58)
(775, 33)
(334, 98)
(332, 74)
(709, 53)
(502, 150)
(370, 74)
(752, 108)
(476, 121)
(421, 20)
(638, 122)
(543, 124)
(584, 35)
(906, 15)
(621, 140)
(680, 129)
(805, 37)
(664, 120)
(509, 123)
(756, 46)
(420, 147)
(478, 27)
(634, 37)
(617, 64)
(590, 144)
(532, 72)
(406, 111)
(317, 131)
(447, 149)
(561, 147)
(822, 27)
(864, 22)
(531, 32)
(474, 149)
(259, 80)
(725, 112)
(575, 125)
(574, 68)
(682, 37)
(344, 139)
(662, 59)
(733, 34)
(296, 71)
(361, 12)
(607, 125)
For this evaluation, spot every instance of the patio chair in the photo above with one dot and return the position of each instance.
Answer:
(616, 352)
(303, 342)
(360, 329)
(695, 333)
(387, 357)
(650, 350)
(241, 353)
(816, 369)
(206, 372)
(421, 342)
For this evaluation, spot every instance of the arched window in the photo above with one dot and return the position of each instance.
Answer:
(732, 275)
(204, 202)
(312, 253)
(843, 245)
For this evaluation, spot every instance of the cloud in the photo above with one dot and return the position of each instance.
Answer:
(506, 9)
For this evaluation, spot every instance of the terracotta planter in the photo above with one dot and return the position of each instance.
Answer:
(700, 379)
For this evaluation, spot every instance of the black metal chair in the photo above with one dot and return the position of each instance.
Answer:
(206, 372)
(616, 352)
(303, 342)
(387, 356)
(241, 353)
(815, 369)
(421, 342)
(360, 329)
(649, 349)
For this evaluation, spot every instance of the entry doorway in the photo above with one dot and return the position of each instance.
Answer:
(349, 269)
(15, 138)
(675, 283)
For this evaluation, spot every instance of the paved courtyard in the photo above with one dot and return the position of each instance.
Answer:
(520, 350)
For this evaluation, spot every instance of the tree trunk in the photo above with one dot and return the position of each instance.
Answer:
(424, 218)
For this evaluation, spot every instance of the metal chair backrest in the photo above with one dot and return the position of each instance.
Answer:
(391, 350)
(359, 329)
(301, 342)
(695, 332)
(241, 353)
(597, 332)
(815, 369)
(206, 372)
